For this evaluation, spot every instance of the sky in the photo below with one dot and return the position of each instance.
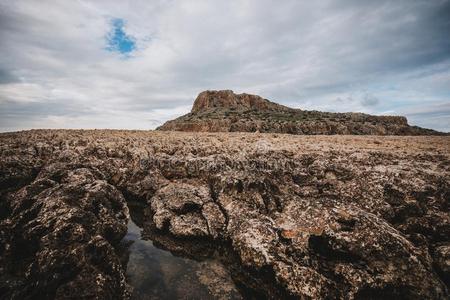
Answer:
(135, 64)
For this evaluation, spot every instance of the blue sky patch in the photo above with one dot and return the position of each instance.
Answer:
(118, 40)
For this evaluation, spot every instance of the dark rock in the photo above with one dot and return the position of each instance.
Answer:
(58, 241)
(290, 216)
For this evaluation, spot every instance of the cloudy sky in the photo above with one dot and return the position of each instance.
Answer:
(135, 64)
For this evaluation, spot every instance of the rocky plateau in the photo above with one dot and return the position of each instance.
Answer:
(288, 216)
(225, 111)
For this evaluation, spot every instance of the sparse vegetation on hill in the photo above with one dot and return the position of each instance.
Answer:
(224, 111)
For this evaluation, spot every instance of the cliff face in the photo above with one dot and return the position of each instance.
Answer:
(210, 100)
(224, 111)
(337, 217)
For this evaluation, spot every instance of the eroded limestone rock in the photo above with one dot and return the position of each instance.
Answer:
(186, 210)
(290, 216)
(58, 241)
(225, 111)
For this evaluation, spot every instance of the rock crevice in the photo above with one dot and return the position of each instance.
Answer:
(305, 217)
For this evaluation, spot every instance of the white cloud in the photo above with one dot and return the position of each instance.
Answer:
(383, 56)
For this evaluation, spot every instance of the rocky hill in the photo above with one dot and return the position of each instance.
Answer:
(304, 217)
(225, 111)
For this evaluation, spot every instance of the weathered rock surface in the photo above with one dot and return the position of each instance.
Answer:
(57, 240)
(308, 217)
(208, 100)
(224, 111)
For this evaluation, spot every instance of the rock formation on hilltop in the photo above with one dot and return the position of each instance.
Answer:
(303, 217)
(225, 111)
(210, 100)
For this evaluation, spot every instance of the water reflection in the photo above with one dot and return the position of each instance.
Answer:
(158, 274)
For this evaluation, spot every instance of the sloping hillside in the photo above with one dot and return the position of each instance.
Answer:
(225, 111)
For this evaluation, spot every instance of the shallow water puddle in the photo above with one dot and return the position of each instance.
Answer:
(158, 274)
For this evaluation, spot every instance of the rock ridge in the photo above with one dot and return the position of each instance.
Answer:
(225, 111)
(227, 99)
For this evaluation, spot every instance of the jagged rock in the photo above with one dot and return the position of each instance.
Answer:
(442, 261)
(209, 100)
(186, 211)
(58, 241)
(320, 217)
(225, 111)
